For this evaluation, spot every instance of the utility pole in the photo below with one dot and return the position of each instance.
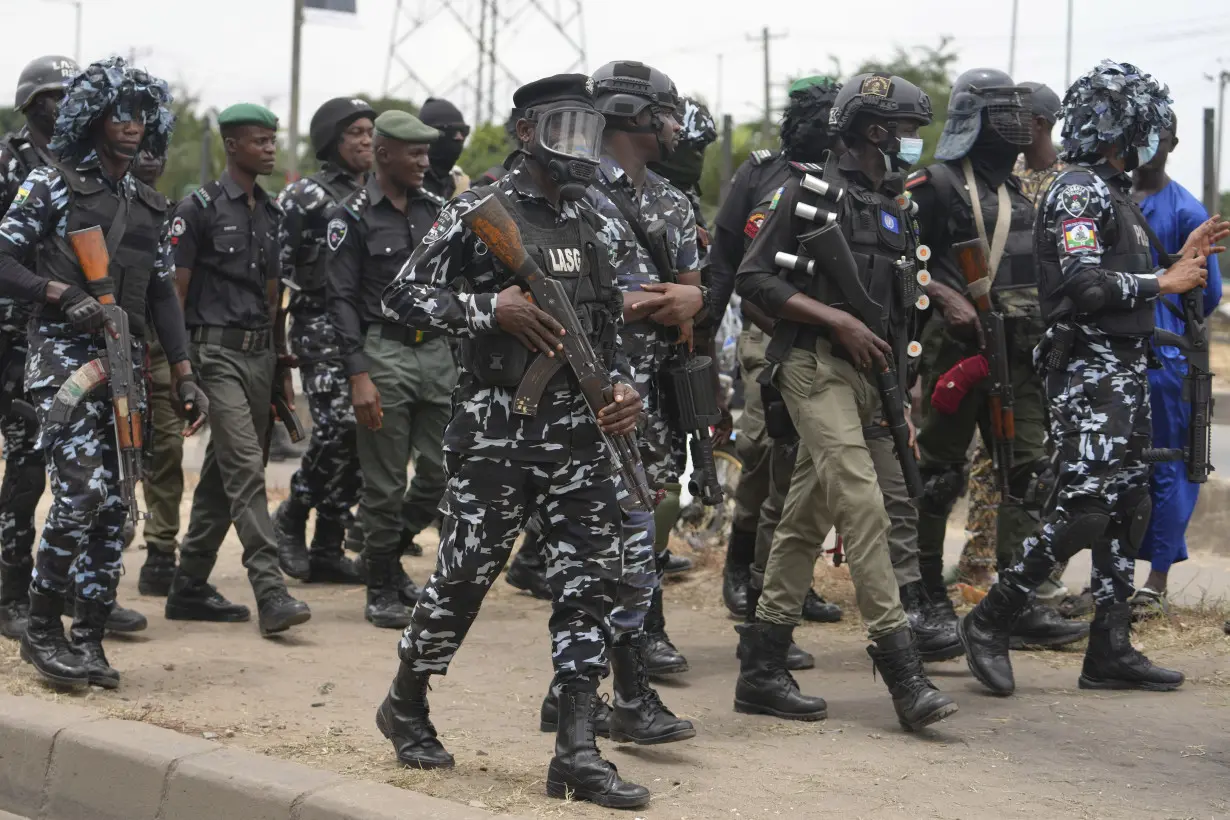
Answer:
(482, 59)
(1210, 169)
(1222, 80)
(717, 104)
(292, 161)
(1067, 59)
(76, 4)
(766, 127)
(1012, 41)
(727, 156)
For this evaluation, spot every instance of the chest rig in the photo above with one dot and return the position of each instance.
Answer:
(573, 254)
(1125, 240)
(132, 226)
(311, 260)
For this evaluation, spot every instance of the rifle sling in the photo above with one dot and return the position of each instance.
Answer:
(1003, 224)
(634, 221)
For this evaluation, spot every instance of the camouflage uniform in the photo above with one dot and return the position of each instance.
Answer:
(978, 557)
(87, 514)
(502, 468)
(328, 479)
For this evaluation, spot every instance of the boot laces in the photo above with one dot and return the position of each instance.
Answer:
(645, 691)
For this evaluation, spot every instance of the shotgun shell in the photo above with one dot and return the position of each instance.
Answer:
(923, 252)
(914, 350)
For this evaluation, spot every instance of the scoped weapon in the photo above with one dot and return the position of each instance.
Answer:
(115, 369)
(1197, 386)
(972, 260)
(492, 223)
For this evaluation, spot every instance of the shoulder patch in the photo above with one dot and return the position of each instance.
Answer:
(443, 224)
(178, 226)
(206, 194)
(22, 193)
(777, 195)
(919, 177)
(1080, 236)
(1074, 199)
(890, 222)
(434, 198)
(356, 204)
(335, 233)
(753, 225)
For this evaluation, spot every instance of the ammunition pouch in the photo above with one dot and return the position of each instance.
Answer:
(495, 359)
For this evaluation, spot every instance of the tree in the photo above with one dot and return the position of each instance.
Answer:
(487, 147)
(10, 120)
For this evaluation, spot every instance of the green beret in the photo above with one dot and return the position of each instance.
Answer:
(405, 127)
(248, 114)
(808, 82)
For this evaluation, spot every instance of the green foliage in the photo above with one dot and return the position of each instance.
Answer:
(487, 146)
(745, 138)
(10, 120)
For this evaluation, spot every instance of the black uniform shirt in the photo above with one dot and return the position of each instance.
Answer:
(367, 255)
(232, 251)
(751, 185)
(442, 185)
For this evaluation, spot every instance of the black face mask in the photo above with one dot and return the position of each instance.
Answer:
(994, 150)
(444, 152)
(41, 116)
(810, 143)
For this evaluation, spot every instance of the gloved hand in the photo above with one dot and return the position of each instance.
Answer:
(83, 310)
(193, 405)
(953, 385)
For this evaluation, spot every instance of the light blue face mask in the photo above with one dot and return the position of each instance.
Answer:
(1147, 152)
(911, 150)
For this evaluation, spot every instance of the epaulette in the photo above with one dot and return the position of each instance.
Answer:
(808, 167)
(150, 196)
(917, 178)
(761, 156)
(356, 203)
(206, 194)
(432, 197)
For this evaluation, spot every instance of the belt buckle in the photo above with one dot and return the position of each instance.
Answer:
(418, 337)
(247, 341)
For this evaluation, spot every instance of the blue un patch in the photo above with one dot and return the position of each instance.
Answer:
(889, 221)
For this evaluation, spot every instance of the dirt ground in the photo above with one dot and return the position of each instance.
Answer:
(1050, 751)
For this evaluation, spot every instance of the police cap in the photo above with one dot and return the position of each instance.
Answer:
(248, 114)
(404, 127)
(572, 88)
(1044, 102)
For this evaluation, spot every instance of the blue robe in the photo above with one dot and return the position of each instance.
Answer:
(1173, 213)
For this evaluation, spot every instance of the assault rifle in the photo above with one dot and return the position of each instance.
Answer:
(828, 252)
(115, 369)
(689, 388)
(491, 222)
(972, 260)
(1197, 386)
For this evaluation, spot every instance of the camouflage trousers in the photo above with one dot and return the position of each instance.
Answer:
(24, 472)
(328, 479)
(486, 504)
(1100, 423)
(86, 519)
(982, 497)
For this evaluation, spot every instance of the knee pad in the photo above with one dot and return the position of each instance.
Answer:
(1136, 509)
(941, 490)
(1085, 526)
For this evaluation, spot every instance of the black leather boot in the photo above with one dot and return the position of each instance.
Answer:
(917, 701)
(385, 607)
(403, 719)
(46, 647)
(986, 635)
(578, 771)
(818, 610)
(327, 561)
(15, 597)
(676, 564)
(737, 573)
(192, 600)
(765, 686)
(661, 656)
(1112, 663)
(1041, 626)
(156, 573)
(89, 623)
(121, 620)
(638, 715)
(277, 612)
(936, 638)
(527, 571)
(797, 658)
(290, 530)
(548, 714)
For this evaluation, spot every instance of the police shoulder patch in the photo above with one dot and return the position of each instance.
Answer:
(777, 195)
(1080, 236)
(336, 233)
(753, 225)
(1075, 199)
(890, 222)
(919, 177)
(22, 193)
(443, 224)
(178, 226)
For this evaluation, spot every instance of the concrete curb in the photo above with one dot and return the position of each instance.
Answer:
(62, 762)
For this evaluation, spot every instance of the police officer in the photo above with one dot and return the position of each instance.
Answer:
(328, 479)
(767, 462)
(443, 177)
(1097, 284)
(110, 112)
(227, 269)
(502, 467)
(40, 87)
(400, 379)
(988, 125)
(641, 108)
(823, 378)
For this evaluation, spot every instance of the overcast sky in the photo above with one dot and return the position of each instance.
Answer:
(239, 50)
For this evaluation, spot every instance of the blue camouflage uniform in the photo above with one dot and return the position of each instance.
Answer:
(328, 479)
(503, 467)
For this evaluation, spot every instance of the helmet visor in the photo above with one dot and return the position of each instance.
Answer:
(575, 133)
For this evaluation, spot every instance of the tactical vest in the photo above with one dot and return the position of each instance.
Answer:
(311, 261)
(134, 252)
(1017, 269)
(574, 254)
(1126, 243)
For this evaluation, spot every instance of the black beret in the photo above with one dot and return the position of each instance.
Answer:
(574, 88)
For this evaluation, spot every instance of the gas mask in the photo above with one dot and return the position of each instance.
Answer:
(567, 143)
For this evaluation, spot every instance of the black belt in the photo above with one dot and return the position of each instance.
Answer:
(406, 335)
(233, 338)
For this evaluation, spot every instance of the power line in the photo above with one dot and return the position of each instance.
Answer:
(766, 127)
